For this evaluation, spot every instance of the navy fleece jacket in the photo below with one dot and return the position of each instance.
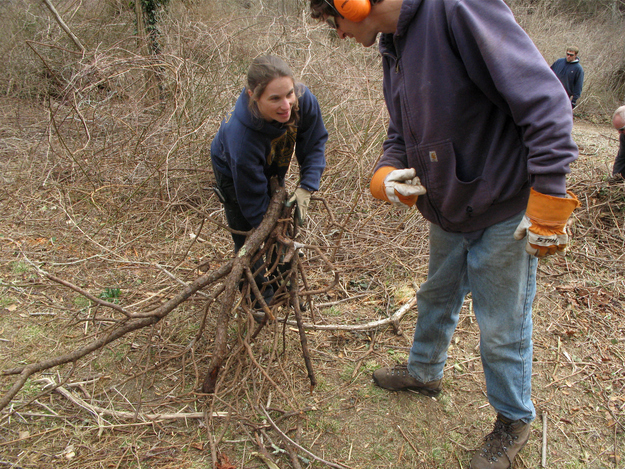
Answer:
(252, 150)
(571, 75)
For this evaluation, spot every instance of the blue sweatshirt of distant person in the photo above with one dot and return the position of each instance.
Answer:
(251, 150)
(571, 75)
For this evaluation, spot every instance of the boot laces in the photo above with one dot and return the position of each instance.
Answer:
(399, 370)
(496, 444)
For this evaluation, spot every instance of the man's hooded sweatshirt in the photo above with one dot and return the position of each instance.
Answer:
(571, 75)
(479, 123)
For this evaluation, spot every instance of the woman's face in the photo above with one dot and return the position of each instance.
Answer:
(277, 100)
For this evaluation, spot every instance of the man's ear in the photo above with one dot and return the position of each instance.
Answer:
(353, 10)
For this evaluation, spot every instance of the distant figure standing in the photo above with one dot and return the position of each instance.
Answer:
(618, 121)
(571, 74)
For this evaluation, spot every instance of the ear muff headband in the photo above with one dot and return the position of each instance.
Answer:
(353, 10)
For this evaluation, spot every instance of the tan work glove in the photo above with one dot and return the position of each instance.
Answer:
(544, 223)
(401, 187)
(301, 197)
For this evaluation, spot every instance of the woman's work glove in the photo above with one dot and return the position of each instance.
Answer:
(301, 199)
(401, 187)
(544, 223)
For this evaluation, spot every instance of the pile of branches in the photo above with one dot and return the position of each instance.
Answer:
(232, 284)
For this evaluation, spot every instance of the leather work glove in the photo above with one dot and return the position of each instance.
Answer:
(301, 197)
(544, 223)
(401, 187)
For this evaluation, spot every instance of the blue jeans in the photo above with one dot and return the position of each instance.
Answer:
(501, 277)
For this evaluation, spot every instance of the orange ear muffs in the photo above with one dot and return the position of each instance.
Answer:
(353, 10)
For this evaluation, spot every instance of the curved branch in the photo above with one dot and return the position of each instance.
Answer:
(137, 321)
(394, 320)
(243, 259)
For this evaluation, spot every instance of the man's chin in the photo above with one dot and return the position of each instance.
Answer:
(369, 42)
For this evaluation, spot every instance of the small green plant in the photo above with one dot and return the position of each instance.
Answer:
(370, 366)
(332, 311)
(82, 302)
(359, 285)
(403, 293)
(445, 402)
(399, 357)
(322, 385)
(346, 373)
(19, 267)
(30, 389)
(6, 301)
(110, 294)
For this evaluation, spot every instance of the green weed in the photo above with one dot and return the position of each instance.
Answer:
(398, 357)
(19, 267)
(111, 295)
(332, 312)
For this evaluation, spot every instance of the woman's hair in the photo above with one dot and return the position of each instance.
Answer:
(261, 72)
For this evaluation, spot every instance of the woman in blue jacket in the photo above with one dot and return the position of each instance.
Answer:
(273, 118)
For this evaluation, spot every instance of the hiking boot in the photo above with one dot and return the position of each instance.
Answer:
(397, 378)
(501, 446)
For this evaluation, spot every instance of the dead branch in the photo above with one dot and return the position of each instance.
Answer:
(270, 238)
(259, 296)
(300, 324)
(244, 258)
(393, 320)
(98, 412)
(64, 26)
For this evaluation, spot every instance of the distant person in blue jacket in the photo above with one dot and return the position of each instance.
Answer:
(571, 74)
(618, 121)
(273, 118)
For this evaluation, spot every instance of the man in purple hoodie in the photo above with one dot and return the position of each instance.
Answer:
(479, 138)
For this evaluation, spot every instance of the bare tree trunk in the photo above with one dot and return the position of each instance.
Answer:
(142, 38)
(151, 80)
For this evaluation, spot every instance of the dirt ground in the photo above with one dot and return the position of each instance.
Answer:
(136, 403)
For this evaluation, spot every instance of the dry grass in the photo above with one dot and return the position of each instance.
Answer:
(106, 185)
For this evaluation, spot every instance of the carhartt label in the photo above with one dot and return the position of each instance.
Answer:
(433, 157)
